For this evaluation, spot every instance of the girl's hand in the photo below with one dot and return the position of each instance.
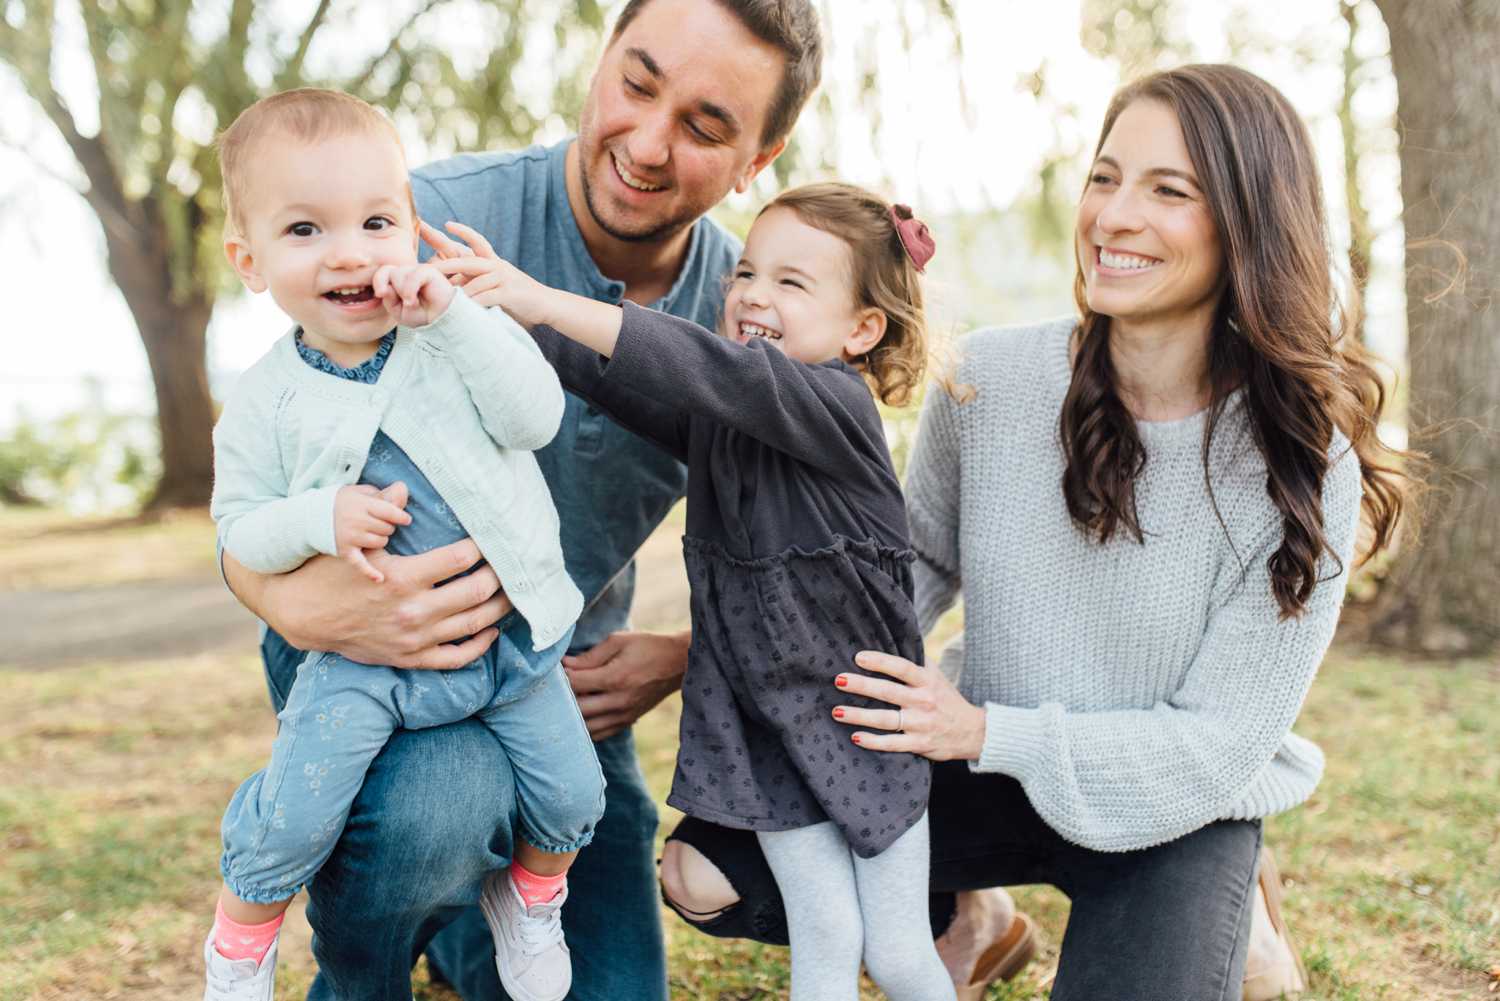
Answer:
(930, 717)
(415, 294)
(484, 276)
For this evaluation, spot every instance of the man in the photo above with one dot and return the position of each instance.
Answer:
(692, 98)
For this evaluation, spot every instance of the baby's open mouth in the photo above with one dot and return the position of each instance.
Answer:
(350, 295)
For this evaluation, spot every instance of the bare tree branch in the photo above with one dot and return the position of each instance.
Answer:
(123, 130)
(41, 167)
(360, 82)
(30, 54)
(290, 73)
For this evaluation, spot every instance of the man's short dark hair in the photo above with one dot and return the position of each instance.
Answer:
(789, 25)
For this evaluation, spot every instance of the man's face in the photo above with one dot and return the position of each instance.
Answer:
(673, 118)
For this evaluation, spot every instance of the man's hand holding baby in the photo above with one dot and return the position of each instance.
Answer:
(415, 294)
(363, 518)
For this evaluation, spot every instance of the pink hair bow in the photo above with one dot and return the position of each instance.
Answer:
(915, 237)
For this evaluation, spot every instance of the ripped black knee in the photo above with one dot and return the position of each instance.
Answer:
(759, 914)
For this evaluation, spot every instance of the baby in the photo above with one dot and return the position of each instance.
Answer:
(397, 414)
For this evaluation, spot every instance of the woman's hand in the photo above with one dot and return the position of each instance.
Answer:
(930, 717)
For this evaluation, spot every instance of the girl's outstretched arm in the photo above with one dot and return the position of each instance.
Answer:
(580, 358)
(822, 415)
(492, 281)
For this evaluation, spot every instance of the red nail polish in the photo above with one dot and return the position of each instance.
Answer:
(855, 738)
(838, 714)
(841, 681)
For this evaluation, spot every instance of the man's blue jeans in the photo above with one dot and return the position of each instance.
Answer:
(433, 817)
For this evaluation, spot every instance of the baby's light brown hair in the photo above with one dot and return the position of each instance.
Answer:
(882, 276)
(306, 115)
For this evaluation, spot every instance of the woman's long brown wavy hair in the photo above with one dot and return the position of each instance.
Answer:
(1281, 331)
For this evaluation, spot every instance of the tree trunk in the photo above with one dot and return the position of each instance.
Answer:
(1360, 237)
(1443, 594)
(173, 328)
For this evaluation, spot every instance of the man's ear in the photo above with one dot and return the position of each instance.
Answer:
(867, 333)
(761, 162)
(243, 262)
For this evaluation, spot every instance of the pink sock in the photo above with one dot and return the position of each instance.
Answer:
(233, 940)
(536, 889)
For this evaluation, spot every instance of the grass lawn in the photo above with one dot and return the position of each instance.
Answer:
(113, 778)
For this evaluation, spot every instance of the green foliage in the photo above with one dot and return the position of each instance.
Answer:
(1141, 35)
(89, 458)
(173, 73)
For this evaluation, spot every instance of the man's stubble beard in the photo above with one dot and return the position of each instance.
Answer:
(656, 234)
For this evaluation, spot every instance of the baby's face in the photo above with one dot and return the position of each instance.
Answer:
(320, 218)
(792, 288)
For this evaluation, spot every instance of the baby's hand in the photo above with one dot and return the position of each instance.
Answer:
(364, 519)
(485, 277)
(415, 294)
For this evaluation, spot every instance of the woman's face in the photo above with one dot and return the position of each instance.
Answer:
(1146, 246)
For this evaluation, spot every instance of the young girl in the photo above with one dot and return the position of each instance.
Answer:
(796, 548)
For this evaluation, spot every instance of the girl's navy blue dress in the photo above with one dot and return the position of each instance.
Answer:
(798, 556)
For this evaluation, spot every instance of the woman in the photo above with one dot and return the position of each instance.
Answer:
(1151, 512)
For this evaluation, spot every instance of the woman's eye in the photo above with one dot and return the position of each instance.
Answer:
(743, 275)
(792, 282)
(634, 87)
(1099, 179)
(302, 229)
(1162, 189)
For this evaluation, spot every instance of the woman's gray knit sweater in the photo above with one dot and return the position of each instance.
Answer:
(1138, 692)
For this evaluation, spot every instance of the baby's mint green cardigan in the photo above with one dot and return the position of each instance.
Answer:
(467, 397)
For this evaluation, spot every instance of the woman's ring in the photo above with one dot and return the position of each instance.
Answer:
(899, 727)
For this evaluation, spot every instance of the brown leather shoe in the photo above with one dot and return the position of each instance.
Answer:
(987, 941)
(1003, 960)
(1273, 967)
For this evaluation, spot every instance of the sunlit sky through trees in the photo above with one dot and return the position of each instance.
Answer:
(954, 138)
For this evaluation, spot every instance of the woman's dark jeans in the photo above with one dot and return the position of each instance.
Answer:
(1169, 923)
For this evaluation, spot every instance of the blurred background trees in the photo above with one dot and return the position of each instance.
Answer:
(1444, 594)
(169, 74)
(136, 89)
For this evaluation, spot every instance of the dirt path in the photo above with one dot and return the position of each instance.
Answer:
(192, 613)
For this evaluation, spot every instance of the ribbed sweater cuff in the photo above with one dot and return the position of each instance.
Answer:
(937, 546)
(935, 593)
(1013, 740)
(320, 532)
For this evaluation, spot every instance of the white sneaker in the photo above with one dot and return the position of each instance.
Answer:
(530, 954)
(238, 979)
